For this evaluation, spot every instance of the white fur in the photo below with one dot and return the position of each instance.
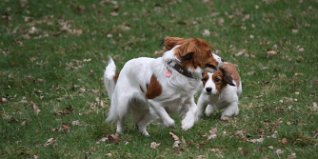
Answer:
(128, 94)
(227, 99)
(218, 59)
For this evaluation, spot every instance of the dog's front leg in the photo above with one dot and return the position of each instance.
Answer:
(202, 103)
(163, 114)
(191, 115)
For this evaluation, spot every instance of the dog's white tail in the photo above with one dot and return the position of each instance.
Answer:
(109, 82)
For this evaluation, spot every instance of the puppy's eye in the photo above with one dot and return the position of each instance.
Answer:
(211, 66)
(217, 79)
(204, 79)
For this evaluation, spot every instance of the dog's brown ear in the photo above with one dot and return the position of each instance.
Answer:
(170, 42)
(226, 77)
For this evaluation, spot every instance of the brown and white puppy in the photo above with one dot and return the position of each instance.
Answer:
(147, 87)
(221, 91)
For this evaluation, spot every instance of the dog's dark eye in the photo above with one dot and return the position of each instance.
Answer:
(204, 79)
(211, 66)
(217, 79)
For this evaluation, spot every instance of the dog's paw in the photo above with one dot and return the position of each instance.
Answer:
(225, 118)
(169, 123)
(187, 124)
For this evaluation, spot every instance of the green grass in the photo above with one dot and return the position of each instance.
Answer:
(53, 54)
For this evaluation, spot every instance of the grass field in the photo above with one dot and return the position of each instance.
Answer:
(52, 56)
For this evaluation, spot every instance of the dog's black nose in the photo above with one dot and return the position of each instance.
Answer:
(222, 59)
(208, 89)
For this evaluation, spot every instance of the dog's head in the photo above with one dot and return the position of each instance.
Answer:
(193, 53)
(215, 82)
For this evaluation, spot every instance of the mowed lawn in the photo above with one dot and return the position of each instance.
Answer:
(53, 53)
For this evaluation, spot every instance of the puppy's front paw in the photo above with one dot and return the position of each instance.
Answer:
(169, 123)
(187, 124)
(225, 118)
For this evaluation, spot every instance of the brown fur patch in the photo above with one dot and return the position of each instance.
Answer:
(154, 88)
(115, 78)
(205, 77)
(198, 50)
(218, 80)
(231, 70)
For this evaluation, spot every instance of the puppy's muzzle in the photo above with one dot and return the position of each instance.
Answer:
(208, 89)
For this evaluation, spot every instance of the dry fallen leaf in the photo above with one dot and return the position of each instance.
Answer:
(154, 145)
(279, 152)
(103, 139)
(314, 107)
(36, 109)
(271, 53)
(3, 100)
(284, 141)
(50, 141)
(241, 52)
(260, 140)
(76, 123)
(64, 128)
(113, 138)
(212, 133)
(206, 32)
(109, 154)
(176, 140)
(292, 156)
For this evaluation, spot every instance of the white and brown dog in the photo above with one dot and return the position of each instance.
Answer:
(221, 91)
(148, 87)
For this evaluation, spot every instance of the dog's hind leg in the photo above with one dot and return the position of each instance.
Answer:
(162, 113)
(122, 110)
(230, 111)
(143, 123)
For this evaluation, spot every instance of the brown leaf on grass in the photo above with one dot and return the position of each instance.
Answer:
(3, 100)
(66, 111)
(284, 141)
(36, 109)
(64, 128)
(314, 107)
(154, 145)
(271, 53)
(50, 141)
(279, 152)
(241, 52)
(212, 133)
(316, 134)
(113, 138)
(241, 134)
(206, 32)
(176, 140)
(76, 123)
(255, 141)
(292, 156)
(23, 3)
(217, 151)
(35, 156)
(243, 151)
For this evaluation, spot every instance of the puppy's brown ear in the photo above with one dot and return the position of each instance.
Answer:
(170, 42)
(226, 77)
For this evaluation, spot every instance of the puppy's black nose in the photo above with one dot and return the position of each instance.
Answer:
(208, 89)
(222, 59)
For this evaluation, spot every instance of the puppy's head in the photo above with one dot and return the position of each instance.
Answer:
(215, 82)
(193, 53)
